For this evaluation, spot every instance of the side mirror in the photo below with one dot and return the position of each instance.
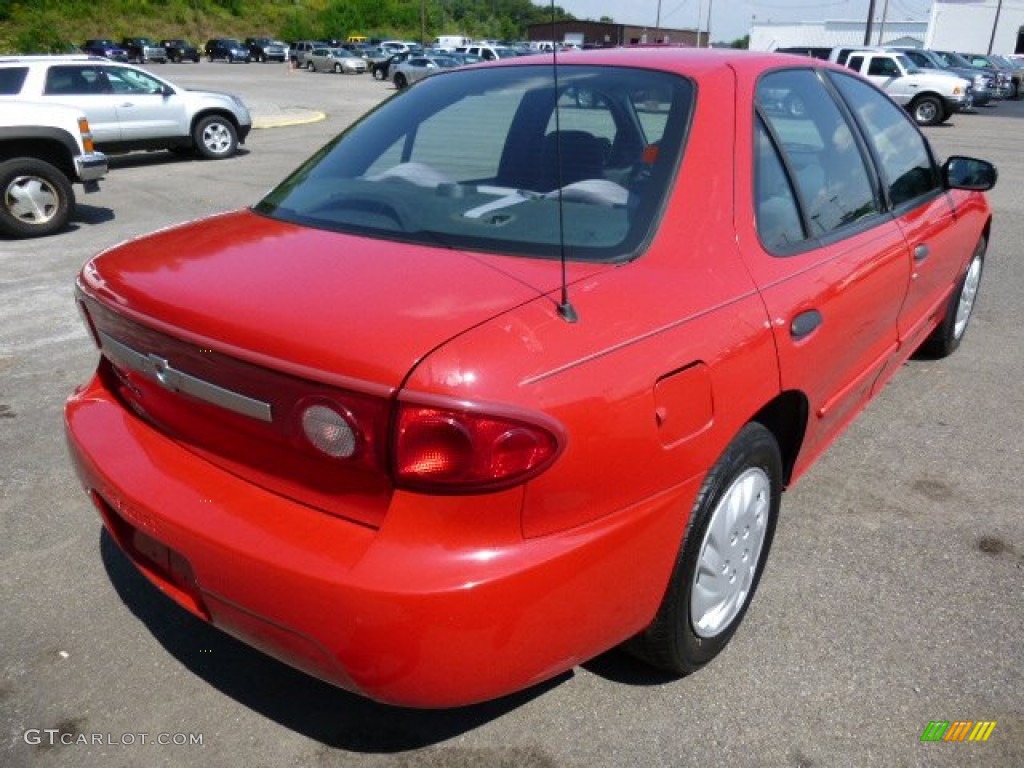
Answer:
(167, 91)
(960, 172)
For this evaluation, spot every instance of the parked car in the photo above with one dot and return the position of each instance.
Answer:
(108, 49)
(142, 50)
(1002, 80)
(226, 48)
(983, 84)
(44, 150)
(385, 70)
(418, 67)
(931, 97)
(180, 50)
(1008, 76)
(300, 51)
(130, 108)
(264, 49)
(487, 52)
(631, 327)
(336, 60)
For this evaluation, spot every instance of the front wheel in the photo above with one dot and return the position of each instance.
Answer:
(215, 137)
(337, 69)
(721, 558)
(37, 198)
(400, 81)
(947, 336)
(379, 73)
(309, 66)
(928, 110)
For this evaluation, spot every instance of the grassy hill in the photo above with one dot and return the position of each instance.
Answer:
(40, 26)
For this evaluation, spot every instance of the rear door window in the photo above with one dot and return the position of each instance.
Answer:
(12, 79)
(824, 156)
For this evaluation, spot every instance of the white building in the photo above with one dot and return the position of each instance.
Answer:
(959, 25)
(970, 25)
(767, 36)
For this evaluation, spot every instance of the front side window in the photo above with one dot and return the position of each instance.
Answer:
(123, 80)
(481, 160)
(901, 150)
(823, 154)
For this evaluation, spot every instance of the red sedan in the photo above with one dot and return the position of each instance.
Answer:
(516, 369)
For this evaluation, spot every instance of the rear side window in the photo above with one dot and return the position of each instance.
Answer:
(825, 161)
(11, 80)
(72, 81)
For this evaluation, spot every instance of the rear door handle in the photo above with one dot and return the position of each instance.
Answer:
(805, 324)
(921, 252)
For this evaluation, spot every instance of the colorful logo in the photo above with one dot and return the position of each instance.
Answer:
(958, 730)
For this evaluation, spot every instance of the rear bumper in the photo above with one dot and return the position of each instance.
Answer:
(445, 604)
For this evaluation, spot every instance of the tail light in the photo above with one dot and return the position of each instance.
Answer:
(462, 450)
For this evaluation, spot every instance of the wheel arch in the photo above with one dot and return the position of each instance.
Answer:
(199, 116)
(786, 418)
(53, 150)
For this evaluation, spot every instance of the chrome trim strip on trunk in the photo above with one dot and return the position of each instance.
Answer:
(159, 370)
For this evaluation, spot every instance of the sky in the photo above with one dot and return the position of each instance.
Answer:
(731, 19)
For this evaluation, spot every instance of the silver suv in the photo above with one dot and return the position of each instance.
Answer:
(129, 108)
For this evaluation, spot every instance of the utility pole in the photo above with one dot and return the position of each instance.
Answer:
(992, 40)
(867, 27)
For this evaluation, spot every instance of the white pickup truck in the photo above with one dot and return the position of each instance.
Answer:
(930, 97)
(44, 149)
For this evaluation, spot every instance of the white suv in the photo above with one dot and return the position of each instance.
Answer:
(130, 108)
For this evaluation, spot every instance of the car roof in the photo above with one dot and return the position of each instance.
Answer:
(47, 57)
(691, 61)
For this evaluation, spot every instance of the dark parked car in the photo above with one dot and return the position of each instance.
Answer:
(226, 48)
(143, 49)
(180, 50)
(266, 49)
(106, 48)
(1009, 77)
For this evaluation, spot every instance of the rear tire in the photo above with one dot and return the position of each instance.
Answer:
(721, 558)
(400, 81)
(37, 198)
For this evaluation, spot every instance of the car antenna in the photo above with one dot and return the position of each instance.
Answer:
(565, 308)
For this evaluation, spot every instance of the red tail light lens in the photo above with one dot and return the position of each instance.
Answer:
(451, 450)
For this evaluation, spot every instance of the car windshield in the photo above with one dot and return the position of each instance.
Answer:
(482, 160)
(908, 65)
(956, 59)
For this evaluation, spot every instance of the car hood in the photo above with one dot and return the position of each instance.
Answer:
(315, 303)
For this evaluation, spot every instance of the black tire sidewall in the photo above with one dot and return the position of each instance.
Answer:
(10, 169)
(671, 642)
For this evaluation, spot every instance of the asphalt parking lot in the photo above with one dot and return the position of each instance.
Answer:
(893, 597)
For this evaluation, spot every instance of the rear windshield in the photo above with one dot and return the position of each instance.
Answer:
(483, 160)
(11, 80)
